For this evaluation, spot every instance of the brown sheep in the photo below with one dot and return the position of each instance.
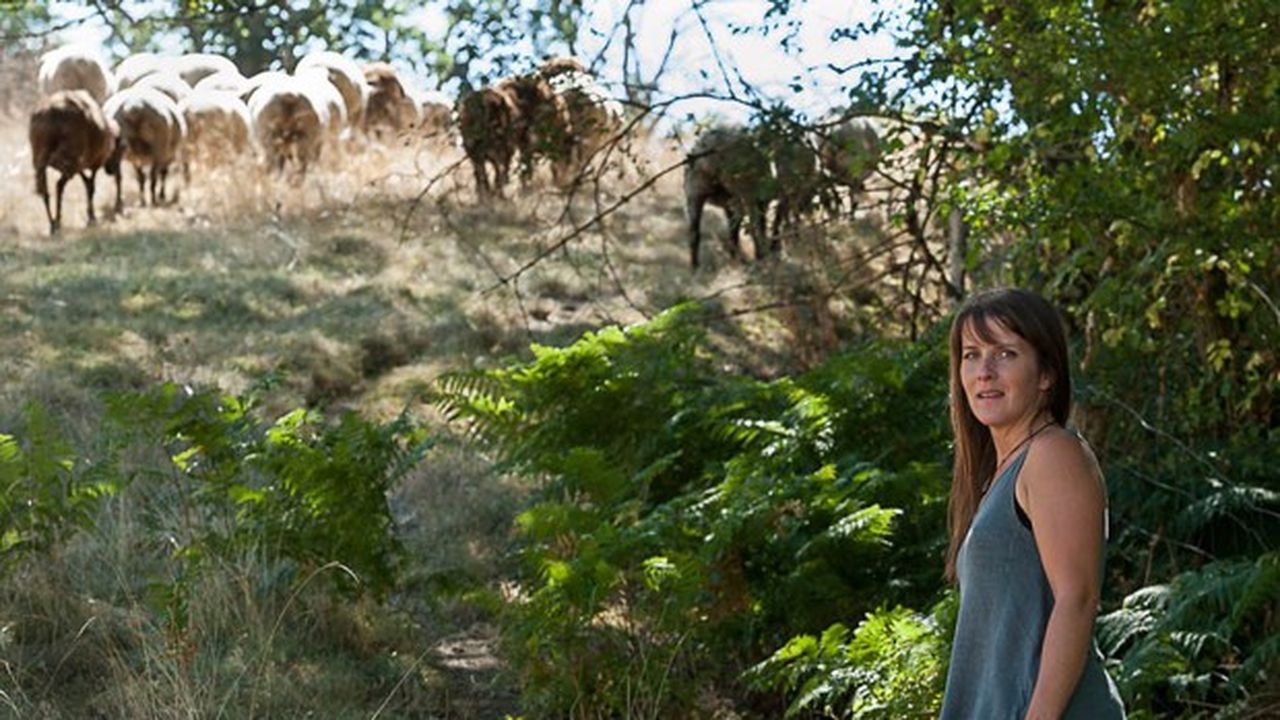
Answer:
(385, 107)
(595, 118)
(487, 121)
(727, 168)
(69, 132)
(849, 149)
(543, 125)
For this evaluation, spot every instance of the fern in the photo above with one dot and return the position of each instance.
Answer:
(1205, 637)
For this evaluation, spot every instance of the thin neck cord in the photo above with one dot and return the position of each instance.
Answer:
(1012, 452)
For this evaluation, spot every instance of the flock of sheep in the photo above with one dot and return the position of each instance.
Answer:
(156, 111)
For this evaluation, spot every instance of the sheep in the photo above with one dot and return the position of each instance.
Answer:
(217, 126)
(69, 132)
(543, 125)
(595, 118)
(386, 104)
(194, 67)
(727, 168)
(798, 179)
(256, 81)
(288, 123)
(347, 77)
(135, 67)
(487, 122)
(152, 130)
(229, 82)
(323, 92)
(435, 112)
(849, 149)
(76, 67)
(167, 82)
(556, 66)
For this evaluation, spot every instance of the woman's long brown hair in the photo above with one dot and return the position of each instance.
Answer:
(1032, 318)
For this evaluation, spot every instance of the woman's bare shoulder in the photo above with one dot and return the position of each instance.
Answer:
(1059, 454)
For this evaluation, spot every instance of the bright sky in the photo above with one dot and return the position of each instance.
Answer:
(761, 61)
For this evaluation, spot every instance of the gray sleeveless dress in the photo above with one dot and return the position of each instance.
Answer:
(1005, 602)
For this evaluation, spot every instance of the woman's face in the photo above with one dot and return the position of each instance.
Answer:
(1001, 376)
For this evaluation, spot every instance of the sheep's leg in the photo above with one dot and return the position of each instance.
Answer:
(142, 184)
(155, 176)
(88, 178)
(502, 174)
(42, 188)
(759, 237)
(734, 242)
(57, 216)
(119, 191)
(693, 209)
(482, 178)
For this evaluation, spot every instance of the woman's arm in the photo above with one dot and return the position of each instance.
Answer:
(1062, 493)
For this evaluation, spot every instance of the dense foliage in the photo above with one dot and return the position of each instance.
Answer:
(690, 521)
(301, 490)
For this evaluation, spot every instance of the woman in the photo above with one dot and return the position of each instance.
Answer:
(1027, 523)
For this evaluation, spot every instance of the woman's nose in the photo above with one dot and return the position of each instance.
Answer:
(986, 368)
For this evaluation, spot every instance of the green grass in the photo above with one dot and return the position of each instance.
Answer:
(328, 294)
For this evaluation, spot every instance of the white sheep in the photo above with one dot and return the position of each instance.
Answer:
(232, 82)
(218, 126)
(152, 130)
(323, 92)
(68, 132)
(253, 82)
(76, 67)
(194, 67)
(288, 123)
(167, 82)
(346, 76)
(135, 67)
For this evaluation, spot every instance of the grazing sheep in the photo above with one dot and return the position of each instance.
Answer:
(848, 150)
(256, 81)
(386, 105)
(727, 168)
(288, 123)
(323, 92)
(69, 132)
(798, 178)
(487, 121)
(595, 118)
(229, 82)
(167, 82)
(135, 67)
(76, 67)
(556, 66)
(543, 125)
(194, 67)
(152, 130)
(347, 77)
(435, 113)
(217, 126)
